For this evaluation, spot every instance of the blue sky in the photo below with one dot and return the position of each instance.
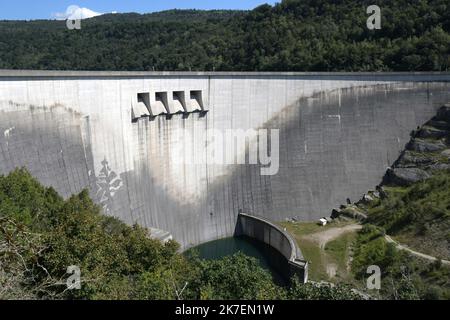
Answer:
(46, 9)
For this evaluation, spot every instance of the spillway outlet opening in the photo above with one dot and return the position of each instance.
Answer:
(179, 102)
(140, 108)
(144, 98)
(197, 100)
(161, 102)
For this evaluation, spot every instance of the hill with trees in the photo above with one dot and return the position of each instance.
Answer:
(294, 35)
(43, 235)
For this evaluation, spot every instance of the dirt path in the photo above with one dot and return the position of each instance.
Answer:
(323, 237)
(415, 253)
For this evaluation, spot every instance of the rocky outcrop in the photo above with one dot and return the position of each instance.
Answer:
(446, 153)
(444, 113)
(419, 145)
(410, 159)
(427, 151)
(350, 211)
(428, 132)
(405, 176)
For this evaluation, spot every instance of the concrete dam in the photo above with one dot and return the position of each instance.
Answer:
(130, 138)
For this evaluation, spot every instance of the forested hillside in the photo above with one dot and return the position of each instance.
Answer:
(306, 35)
(41, 235)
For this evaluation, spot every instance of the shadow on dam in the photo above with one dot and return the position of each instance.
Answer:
(52, 142)
(333, 146)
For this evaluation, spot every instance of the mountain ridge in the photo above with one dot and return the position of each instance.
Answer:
(290, 36)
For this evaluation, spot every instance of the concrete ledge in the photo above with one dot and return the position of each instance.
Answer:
(269, 233)
(6, 73)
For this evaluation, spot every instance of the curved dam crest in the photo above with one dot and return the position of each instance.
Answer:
(116, 134)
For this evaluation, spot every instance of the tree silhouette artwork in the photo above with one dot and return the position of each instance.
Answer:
(108, 183)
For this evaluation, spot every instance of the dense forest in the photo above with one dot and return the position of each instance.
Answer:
(306, 35)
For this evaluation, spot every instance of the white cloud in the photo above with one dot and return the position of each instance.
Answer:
(76, 13)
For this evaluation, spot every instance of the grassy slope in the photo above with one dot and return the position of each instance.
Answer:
(418, 215)
(336, 252)
(340, 252)
(403, 275)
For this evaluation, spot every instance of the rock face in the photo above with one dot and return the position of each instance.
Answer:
(405, 176)
(446, 153)
(410, 159)
(427, 151)
(444, 113)
(350, 211)
(431, 133)
(419, 145)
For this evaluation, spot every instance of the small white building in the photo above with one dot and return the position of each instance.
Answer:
(323, 221)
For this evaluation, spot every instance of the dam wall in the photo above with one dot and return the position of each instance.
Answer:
(292, 262)
(130, 137)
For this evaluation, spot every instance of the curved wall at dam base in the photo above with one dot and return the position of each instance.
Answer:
(130, 138)
(288, 260)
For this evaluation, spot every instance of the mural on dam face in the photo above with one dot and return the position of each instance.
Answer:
(336, 138)
(107, 185)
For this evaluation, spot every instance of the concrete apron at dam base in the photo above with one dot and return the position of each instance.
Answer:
(118, 134)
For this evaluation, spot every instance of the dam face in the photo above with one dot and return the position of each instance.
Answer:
(128, 138)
